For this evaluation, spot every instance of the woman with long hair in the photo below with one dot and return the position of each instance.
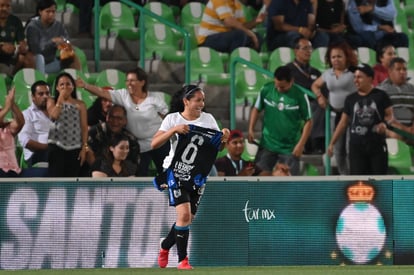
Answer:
(68, 134)
(145, 111)
(339, 81)
(115, 163)
(195, 140)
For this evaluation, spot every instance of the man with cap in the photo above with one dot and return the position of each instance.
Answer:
(366, 112)
(232, 164)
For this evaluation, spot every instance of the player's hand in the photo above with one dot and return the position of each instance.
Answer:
(182, 129)
(225, 136)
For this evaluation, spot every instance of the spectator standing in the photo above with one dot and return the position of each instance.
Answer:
(44, 35)
(304, 75)
(400, 91)
(384, 54)
(8, 131)
(232, 164)
(289, 19)
(14, 52)
(224, 28)
(287, 122)
(186, 185)
(372, 23)
(68, 134)
(101, 134)
(115, 162)
(34, 134)
(366, 111)
(339, 81)
(145, 111)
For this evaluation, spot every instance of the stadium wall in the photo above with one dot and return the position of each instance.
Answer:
(46, 223)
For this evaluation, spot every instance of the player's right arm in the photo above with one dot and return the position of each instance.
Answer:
(162, 137)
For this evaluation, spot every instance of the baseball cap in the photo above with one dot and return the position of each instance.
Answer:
(235, 134)
(365, 68)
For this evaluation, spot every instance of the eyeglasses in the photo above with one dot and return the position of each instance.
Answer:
(306, 48)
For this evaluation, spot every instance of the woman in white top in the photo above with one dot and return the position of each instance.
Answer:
(145, 111)
(186, 108)
(339, 81)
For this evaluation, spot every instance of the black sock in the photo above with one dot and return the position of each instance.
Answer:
(169, 241)
(181, 239)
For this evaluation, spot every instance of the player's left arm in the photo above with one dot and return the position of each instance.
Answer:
(224, 137)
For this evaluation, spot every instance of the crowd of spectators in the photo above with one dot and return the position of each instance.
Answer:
(113, 137)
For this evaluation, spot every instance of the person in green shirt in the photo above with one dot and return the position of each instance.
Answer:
(287, 122)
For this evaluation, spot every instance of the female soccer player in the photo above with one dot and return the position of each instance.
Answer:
(195, 140)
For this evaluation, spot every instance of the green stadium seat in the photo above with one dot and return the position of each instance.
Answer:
(191, 14)
(399, 157)
(207, 66)
(23, 81)
(248, 54)
(117, 19)
(318, 58)
(248, 84)
(91, 77)
(160, 9)
(111, 78)
(280, 56)
(160, 41)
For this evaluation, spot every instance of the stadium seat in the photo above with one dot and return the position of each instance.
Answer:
(280, 56)
(248, 54)
(399, 157)
(22, 81)
(117, 19)
(160, 9)
(367, 55)
(111, 78)
(160, 42)
(83, 61)
(250, 150)
(191, 14)
(318, 58)
(207, 67)
(248, 84)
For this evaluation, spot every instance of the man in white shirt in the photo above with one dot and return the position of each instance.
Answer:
(33, 137)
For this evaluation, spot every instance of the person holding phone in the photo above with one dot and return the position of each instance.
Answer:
(232, 164)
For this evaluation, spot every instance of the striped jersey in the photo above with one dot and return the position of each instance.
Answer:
(214, 14)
